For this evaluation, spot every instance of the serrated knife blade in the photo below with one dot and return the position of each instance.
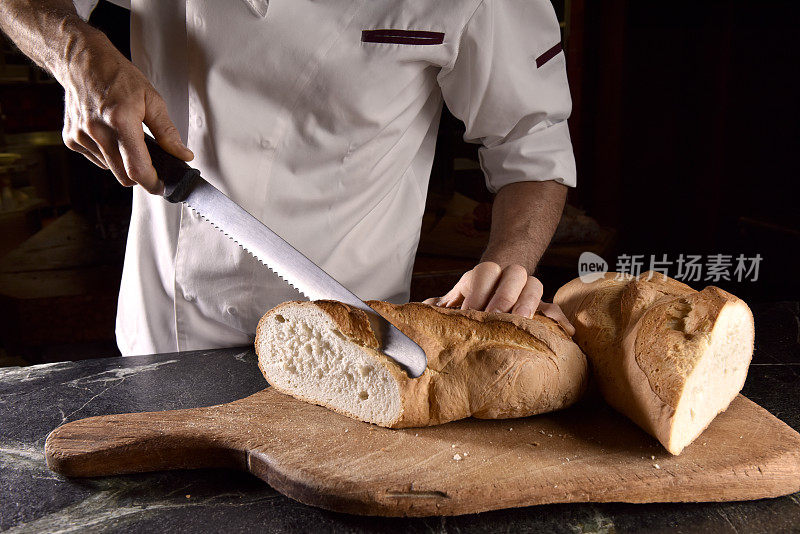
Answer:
(182, 183)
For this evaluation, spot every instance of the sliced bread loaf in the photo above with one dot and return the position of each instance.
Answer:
(485, 365)
(667, 356)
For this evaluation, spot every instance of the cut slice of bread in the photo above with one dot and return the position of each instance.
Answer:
(667, 356)
(485, 365)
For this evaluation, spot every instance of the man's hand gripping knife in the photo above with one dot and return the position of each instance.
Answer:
(106, 97)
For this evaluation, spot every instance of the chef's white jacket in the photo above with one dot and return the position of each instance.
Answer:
(324, 129)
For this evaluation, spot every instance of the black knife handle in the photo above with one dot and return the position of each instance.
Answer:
(178, 177)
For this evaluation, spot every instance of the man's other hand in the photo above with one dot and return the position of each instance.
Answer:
(493, 288)
(106, 101)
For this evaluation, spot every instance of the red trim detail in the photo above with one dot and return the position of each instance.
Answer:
(402, 37)
(547, 56)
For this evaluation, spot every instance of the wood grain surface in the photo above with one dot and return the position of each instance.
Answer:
(585, 454)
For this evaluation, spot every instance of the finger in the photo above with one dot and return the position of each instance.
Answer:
(454, 295)
(481, 284)
(555, 312)
(75, 146)
(156, 117)
(529, 298)
(457, 293)
(109, 148)
(512, 282)
(91, 157)
(135, 155)
(83, 140)
(453, 302)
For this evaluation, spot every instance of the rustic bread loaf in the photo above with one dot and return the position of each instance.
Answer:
(484, 365)
(667, 356)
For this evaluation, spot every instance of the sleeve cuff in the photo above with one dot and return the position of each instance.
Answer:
(85, 7)
(541, 155)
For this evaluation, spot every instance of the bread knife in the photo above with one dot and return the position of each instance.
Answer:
(183, 183)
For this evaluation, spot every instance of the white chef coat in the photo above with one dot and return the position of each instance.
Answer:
(328, 140)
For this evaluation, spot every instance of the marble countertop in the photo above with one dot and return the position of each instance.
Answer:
(34, 400)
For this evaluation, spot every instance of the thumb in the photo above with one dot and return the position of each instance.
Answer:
(156, 118)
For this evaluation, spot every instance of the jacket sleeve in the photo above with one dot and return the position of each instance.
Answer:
(85, 7)
(508, 84)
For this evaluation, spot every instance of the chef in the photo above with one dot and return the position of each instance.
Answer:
(320, 119)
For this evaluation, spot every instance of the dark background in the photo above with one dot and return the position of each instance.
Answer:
(685, 134)
(688, 137)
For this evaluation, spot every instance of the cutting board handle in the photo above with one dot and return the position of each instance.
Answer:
(140, 442)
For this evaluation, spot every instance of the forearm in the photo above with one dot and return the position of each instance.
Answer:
(50, 32)
(106, 98)
(524, 218)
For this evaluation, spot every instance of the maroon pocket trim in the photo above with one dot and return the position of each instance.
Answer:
(412, 37)
(547, 56)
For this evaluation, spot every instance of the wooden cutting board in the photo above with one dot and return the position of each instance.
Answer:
(584, 454)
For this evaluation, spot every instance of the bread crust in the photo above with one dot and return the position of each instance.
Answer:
(485, 365)
(645, 336)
